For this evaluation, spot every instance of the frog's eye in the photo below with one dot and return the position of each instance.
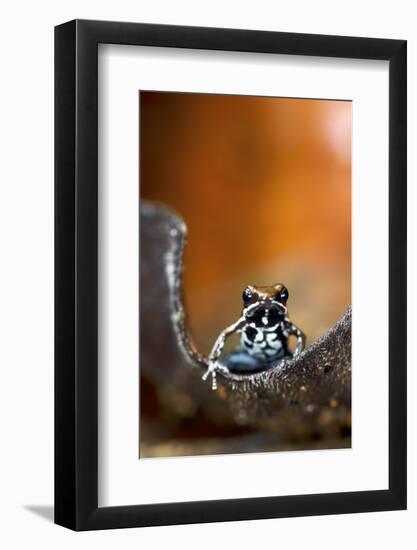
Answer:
(282, 295)
(247, 294)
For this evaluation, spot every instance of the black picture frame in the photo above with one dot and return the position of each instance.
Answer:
(76, 271)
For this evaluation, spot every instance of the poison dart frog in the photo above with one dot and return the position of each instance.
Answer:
(264, 329)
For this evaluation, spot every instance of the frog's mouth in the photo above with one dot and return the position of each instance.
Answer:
(266, 314)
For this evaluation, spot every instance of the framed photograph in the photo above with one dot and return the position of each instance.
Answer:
(230, 252)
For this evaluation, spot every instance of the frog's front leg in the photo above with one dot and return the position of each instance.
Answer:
(293, 330)
(215, 353)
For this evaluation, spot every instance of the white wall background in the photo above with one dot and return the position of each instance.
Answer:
(26, 274)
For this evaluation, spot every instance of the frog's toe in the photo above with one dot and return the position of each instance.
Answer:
(211, 370)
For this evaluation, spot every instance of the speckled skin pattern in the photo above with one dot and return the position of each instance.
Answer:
(265, 344)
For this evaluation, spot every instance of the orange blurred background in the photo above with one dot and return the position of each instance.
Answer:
(264, 186)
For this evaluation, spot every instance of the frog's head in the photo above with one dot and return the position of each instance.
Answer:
(265, 305)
